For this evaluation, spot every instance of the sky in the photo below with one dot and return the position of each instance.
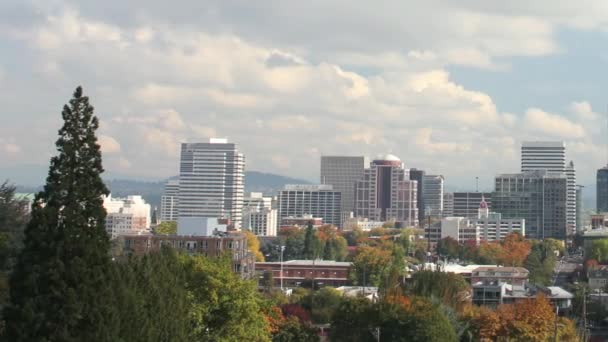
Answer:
(452, 87)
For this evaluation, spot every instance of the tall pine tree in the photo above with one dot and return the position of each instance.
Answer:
(309, 242)
(60, 288)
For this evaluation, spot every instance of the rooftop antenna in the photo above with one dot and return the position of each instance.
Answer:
(476, 184)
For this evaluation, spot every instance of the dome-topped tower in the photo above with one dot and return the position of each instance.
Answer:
(483, 211)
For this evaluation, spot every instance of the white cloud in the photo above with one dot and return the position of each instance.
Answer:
(108, 144)
(552, 125)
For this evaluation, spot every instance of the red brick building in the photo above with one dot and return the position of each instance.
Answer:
(213, 246)
(296, 272)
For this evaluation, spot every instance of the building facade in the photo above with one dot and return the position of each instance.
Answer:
(433, 195)
(386, 193)
(211, 181)
(602, 190)
(342, 172)
(169, 201)
(318, 273)
(129, 215)
(466, 204)
(551, 156)
(234, 244)
(259, 216)
(448, 204)
(316, 200)
(418, 176)
(537, 196)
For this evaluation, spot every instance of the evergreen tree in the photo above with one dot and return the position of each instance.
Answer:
(60, 288)
(309, 241)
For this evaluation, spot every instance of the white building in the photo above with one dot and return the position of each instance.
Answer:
(432, 190)
(259, 216)
(169, 201)
(211, 181)
(298, 200)
(129, 215)
(200, 226)
(342, 172)
(362, 223)
(488, 226)
(551, 156)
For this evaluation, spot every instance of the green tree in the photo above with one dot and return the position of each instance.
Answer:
(295, 331)
(354, 320)
(224, 307)
(451, 289)
(323, 304)
(599, 250)
(369, 266)
(61, 286)
(13, 217)
(152, 301)
(166, 228)
(541, 262)
(448, 247)
(309, 242)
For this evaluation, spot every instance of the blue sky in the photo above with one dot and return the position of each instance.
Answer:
(450, 87)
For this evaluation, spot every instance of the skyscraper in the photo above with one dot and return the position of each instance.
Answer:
(602, 190)
(317, 200)
(418, 176)
(433, 195)
(259, 216)
(211, 181)
(386, 193)
(342, 172)
(537, 196)
(466, 204)
(448, 204)
(551, 156)
(169, 200)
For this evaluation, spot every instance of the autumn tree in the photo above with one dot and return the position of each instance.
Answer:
(369, 265)
(541, 262)
(61, 285)
(166, 228)
(253, 244)
(449, 247)
(514, 250)
(451, 289)
(527, 320)
(490, 253)
(293, 330)
(309, 242)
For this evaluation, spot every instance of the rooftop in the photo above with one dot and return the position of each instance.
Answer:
(309, 263)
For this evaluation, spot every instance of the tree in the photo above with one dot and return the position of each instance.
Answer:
(354, 320)
(224, 307)
(599, 250)
(61, 286)
(166, 228)
(448, 247)
(451, 289)
(253, 244)
(369, 265)
(541, 262)
(514, 250)
(292, 330)
(323, 304)
(528, 320)
(309, 242)
(489, 253)
(13, 217)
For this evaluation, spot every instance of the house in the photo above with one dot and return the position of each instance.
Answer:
(598, 277)
(500, 274)
(492, 293)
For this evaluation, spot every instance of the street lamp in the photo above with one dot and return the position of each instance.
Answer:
(282, 250)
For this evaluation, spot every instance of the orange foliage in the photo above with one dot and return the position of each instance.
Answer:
(274, 319)
(398, 299)
(528, 320)
(485, 323)
(326, 232)
(514, 251)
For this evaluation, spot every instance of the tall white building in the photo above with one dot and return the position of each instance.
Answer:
(321, 201)
(386, 193)
(342, 172)
(211, 181)
(129, 215)
(433, 194)
(259, 216)
(169, 201)
(551, 156)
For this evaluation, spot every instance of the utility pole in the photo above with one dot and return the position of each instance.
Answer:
(556, 318)
(282, 250)
(584, 315)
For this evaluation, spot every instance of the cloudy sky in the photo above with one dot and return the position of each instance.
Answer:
(451, 88)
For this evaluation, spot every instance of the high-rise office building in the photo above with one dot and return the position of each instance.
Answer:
(418, 176)
(466, 204)
(551, 156)
(448, 204)
(211, 181)
(320, 201)
(169, 200)
(386, 193)
(433, 195)
(259, 216)
(539, 197)
(342, 172)
(579, 209)
(602, 190)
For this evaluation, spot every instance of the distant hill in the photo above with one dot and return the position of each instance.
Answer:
(267, 183)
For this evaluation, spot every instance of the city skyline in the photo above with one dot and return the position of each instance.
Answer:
(470, 89)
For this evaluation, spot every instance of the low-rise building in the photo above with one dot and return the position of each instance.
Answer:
(259, 216)
(493, 293)
(212, 246)
(591, 235)
(598, 277)
(599, 221)
(500, 274)
(369, 292)
(362, 223)
(318, 273)
(301, 221)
